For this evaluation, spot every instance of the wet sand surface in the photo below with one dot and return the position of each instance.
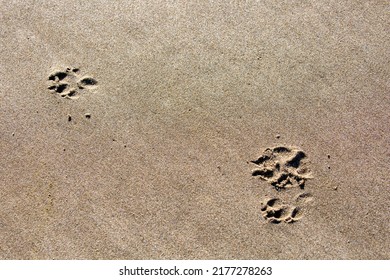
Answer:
(194, 130)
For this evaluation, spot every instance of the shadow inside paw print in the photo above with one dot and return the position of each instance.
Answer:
(69, 84)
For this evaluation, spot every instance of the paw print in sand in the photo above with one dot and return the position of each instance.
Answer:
(275, 211)
(283, 167)
(69, 84)
(286, 169)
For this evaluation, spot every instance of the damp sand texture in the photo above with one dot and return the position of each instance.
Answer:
(140, 130)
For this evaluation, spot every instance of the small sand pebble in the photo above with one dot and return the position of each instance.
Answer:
(277, 136)
(69, 118)
(88, 116)
(335, 188)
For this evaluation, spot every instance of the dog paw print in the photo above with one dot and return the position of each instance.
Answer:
(275, 211)
(283, 167)
(70, 84)
(286, 169)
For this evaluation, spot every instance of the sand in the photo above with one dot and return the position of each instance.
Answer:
(194, 130)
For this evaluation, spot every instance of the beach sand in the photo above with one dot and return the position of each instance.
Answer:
(194, 130)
